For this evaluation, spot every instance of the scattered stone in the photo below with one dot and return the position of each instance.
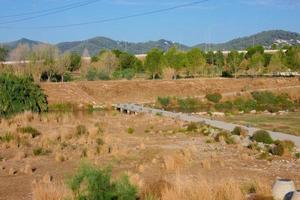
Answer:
(253, 112)
(12, 171)
(29, 169)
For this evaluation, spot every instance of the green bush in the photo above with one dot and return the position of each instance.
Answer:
(226, 106)
(164, 102)
(130, 130)
(237, 131)
(297, 155)
(62, 107)
(103, 76)
(29, 130)
(91, 74)
(128, 74)
(262, 136)
(245, 105)
(81, 130)
(91, 183)
(188, 105)
(287, 144)
(214, 97)
(19, 94)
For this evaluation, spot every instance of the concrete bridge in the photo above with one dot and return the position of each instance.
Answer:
(131, 108)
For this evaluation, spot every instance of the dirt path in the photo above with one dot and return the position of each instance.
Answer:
(195, 118)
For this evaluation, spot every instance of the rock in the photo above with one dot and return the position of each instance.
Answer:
(59, 157)
(12, 171)
(246, 142)
(253, 112)
(236, 139)
(218, 114)
(47, 178)
(2, 167)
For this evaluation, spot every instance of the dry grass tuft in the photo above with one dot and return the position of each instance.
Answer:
(201, 189)
(50, 191)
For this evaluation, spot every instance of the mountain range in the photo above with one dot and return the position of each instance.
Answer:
(94, 45)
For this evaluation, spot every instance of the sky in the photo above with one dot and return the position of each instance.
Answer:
(211, 21)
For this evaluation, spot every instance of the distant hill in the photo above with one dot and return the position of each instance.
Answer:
(266, 39)
(94, 45)
(14, 44)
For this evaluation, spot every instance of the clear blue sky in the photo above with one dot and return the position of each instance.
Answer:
(212, 21)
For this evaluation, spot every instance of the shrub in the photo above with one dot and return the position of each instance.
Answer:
(103, 76)
(188, 105)
(214, 97)
(163, 101)
(124, 74)
(262, 136)
(278, 150)
(237, 131)
(39, 151)
(193, 126)
(287, 144)
(245, 105)
(29, 130)
(62, 107)
(7, 137)
(91, 74)
(225, 136)
(81, 130)
(91, 183)
(19, 94)
(225, 106)
(130, 130)
(297, 155)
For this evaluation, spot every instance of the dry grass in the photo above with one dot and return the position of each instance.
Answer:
(201, 189)
(50, 191)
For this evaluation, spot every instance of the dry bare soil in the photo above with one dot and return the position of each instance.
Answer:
(155, 154)
(144, 91)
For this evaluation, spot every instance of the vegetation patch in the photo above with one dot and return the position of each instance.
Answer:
(214, 97)
(19, 94)
(262, 136)
(29, 130)
(7, 137)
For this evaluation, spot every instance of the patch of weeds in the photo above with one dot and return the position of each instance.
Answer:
(99, 141)
(7, 137)
(90, 182)
(214, 97)
(297, 155)
(29, 130)
(237, 131)
(81, 130)
(63, 145)
(264, 156)
(147, 131)
(225, 136)
(159, 114)
(39, 151)
(62, 107)
(84, 153)
(278, 149)
(193, 126)
(130, 130)
(209, 141)
(262, 136)
(250, 188)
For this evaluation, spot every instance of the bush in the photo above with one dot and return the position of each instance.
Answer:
(278, 150)
(163, 101)
(225, 136)
(214, 97)
(124, 74)
(19, 94)
(226, 106)
(297, 155)
(193, 126)
(130, 130)
(287, 144)
(29, 130)
(62, 107)
(245, 105)
(91, 74)
(237, 131)
(39, 151)
(188, 105)
(103, 76)
(262, 136)
(81, 130)
(91, 183)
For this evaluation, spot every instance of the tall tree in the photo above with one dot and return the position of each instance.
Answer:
(3, 54)
(153, 62)
(196, 61)
(234, 60)
(256, 65)
(292, 58)
(176, 60)
(276, 63)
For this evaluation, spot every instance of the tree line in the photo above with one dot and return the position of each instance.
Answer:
(46, 64)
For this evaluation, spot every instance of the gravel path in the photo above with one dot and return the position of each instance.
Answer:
(193, 118)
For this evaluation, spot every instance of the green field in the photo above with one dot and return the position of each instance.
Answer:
(287, 123)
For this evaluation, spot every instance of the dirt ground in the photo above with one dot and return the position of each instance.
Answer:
(145, 91)
(157, 149)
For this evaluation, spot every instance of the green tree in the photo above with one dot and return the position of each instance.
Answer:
(176, 60)
(253, 50)
(75, 62)
(153, 62)
(276, 63)
(256, 65)
(3, 54)
(292, 58)
(196, 61)
(219, 59)
(234, 60)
